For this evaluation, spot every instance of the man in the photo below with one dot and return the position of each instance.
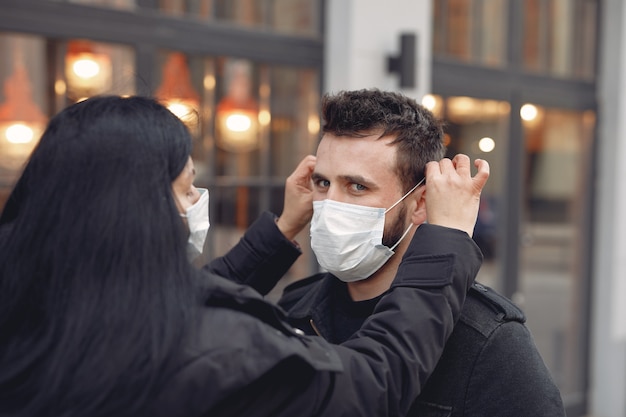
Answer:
(369, 200)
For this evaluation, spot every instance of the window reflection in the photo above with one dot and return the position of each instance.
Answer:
(558, 157)
(177, 91)
(23, 114)
(294, 17)
(249, 166)
(559, 37)
(116, 4)
(83, 68)
(471, 30)
(295, 122)
(93, 68)
(237, 114)
(558, 151)
(238, 132)
(479, 129)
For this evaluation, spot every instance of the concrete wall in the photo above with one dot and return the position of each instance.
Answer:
(361, 34)
(608, 352)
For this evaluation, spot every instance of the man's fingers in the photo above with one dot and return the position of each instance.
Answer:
(432, 168)
(462, 164)
(302, 174)
(305, 167)
(480, 179)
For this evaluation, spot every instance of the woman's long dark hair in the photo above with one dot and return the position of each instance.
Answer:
(95, 287)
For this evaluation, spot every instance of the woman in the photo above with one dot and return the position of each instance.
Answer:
(102, 314)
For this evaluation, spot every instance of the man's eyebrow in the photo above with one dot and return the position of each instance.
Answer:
(315, 176)
(358, 179)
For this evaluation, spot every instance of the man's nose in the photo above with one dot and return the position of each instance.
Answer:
(334, 193)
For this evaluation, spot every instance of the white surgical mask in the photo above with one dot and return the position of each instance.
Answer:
(347, 239)
(198, 223)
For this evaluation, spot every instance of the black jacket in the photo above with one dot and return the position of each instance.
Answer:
(239, 365)
(489, 367)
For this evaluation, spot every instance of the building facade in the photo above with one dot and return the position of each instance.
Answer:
(535, 87)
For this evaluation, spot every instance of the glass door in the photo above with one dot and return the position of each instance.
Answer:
(553, 264)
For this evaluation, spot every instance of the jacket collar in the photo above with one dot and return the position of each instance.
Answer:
(316, 304)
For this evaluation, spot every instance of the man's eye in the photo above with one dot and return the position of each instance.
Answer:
(358, 187)
(322, 183)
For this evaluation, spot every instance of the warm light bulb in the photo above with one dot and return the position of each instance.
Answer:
(528, 112)
(60, 87)
(238, 122)
(486, 144)
(179, 109)
(314, 124)
(209, 82)
(86, 68)
(19, 133)
(265, 117)
(429, 101)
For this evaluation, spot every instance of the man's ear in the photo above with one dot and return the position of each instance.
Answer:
(419, 214)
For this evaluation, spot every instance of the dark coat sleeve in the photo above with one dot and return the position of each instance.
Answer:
(386, 363)
(260, 258)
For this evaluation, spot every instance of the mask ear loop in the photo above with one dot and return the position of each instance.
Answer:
(404, 196)
(403, 235)
(398, 202)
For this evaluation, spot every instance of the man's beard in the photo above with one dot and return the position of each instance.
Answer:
(397, 229)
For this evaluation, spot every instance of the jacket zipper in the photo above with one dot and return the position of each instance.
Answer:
(315, 328)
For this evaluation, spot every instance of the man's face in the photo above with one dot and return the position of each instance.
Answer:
(361, 171)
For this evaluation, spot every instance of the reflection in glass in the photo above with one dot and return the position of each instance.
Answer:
(290, 17)
(552, 274)
(22, 116)
(471, 30)
(93, 68)
(284, 104)
(116, 4)
(177, 91)
(295, 121)
(559, 37)
(479, 129)
(237, 113)
(87, 70)
(296, 17)
(558, 151)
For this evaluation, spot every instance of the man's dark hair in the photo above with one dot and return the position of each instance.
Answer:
(418, 134)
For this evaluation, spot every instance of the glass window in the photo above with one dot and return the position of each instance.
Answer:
(256, 123)
(200, 8)
(251, 122)
(116, 4)
(479, 129)
(296, 17)
(23, 104)
(295, 122)
(471, 30)
(241, 117)
(291, 17)
(560, 37)
(37, 83)
(552, 281)
(552, 277)
(93, 68)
